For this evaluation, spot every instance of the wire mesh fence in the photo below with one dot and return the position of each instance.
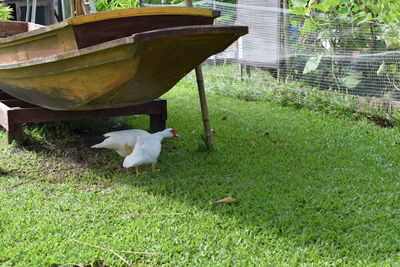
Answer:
(340, 55)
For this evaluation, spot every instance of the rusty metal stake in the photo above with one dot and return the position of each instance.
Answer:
(203, 99)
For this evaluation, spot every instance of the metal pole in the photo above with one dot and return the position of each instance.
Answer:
(28, 11)
(286, 34)
(72, 8)
(33, 18)
(92, 6)
(203, 99)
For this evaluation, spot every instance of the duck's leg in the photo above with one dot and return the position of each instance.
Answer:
(137, 171)
(154, 168)
(128, 149)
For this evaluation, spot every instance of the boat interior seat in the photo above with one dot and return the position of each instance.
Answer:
(8, 28)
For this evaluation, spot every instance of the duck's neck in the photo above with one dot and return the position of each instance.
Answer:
(160, 135)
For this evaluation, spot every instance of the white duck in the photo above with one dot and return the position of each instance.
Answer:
(147, 150)
(121, 142)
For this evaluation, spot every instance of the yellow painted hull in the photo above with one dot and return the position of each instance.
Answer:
(127, 71)
(116, 73)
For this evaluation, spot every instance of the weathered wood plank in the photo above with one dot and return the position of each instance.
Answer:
(8, 28)
(37, 114)
(123, 27)
(12, 118)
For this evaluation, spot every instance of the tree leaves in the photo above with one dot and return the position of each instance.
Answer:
(299, 10)
(103, 5)
(326, 5)
(352, 79)
(299, 3)
(312, 64)
(5, 12)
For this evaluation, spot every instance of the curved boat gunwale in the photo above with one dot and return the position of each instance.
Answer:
(142, 11)
(115, 14)
(142, 36)
(67, 55)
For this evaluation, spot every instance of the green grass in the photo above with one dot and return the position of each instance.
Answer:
(261, 86)
(317, 190)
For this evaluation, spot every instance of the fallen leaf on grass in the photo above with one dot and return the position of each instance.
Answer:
(252, 143)
(224, 118)
(227, 200)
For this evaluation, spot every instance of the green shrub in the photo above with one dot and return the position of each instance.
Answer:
(5, 12)
(103, 5)
(263, 87)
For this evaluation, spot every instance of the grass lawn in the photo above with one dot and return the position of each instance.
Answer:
(316, 189)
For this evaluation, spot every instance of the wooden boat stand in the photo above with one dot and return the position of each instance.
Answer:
(14, 112)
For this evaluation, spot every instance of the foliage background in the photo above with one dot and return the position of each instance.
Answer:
(103, 5)
(5, 12)
(353, 45)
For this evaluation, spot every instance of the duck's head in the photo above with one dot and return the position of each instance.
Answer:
(170, 132)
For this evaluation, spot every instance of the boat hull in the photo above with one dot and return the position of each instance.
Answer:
(127, 71)
(20, 41)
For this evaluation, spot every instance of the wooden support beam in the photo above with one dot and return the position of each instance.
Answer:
(158, 120)
(15, 112)
(14, 132)
(203, 99)
(79, 8)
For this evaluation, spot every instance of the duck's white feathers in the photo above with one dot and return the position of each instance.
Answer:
(146, 151)
(148, 148)
(119, 139)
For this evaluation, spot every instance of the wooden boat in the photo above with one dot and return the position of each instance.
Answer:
(110, 59)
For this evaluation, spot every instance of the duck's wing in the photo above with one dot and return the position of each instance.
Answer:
(127, 137)
(126, 133)
(137, 157)
(151, 148)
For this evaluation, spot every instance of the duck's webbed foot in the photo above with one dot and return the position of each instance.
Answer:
(138, 172)
(154, 168)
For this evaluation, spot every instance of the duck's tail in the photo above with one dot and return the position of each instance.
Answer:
(103, 144)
